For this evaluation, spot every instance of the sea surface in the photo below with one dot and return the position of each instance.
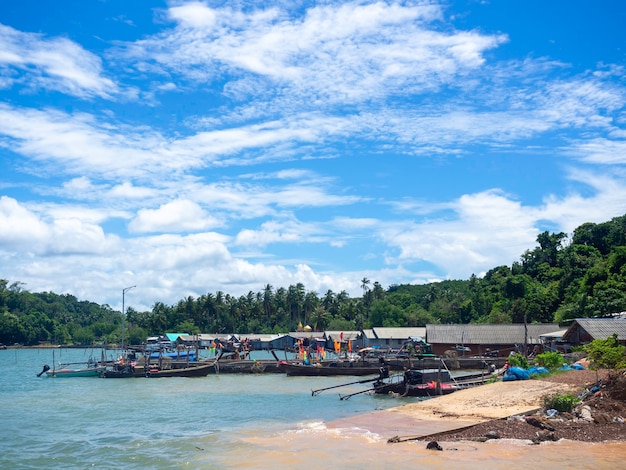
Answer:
(225, 421)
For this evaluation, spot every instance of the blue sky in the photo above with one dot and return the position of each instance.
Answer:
(196, 147)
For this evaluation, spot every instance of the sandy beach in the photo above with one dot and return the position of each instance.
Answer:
(471, 413)
(458, 423)
(457, 410)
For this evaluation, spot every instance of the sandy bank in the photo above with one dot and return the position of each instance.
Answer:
(457, 410)
(486, 402)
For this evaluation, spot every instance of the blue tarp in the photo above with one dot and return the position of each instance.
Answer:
(538, 370)
(515, 373)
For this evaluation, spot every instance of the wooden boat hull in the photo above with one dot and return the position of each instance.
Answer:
(419, 390)
(194, 371)
(326, 371)
(246, 366)
(87, 372)
(125, 373)
(428, 386)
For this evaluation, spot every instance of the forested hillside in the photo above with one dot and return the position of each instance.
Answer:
(564, 277)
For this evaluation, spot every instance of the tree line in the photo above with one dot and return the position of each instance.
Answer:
(564, 277)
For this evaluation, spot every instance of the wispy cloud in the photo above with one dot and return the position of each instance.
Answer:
(348, 52)
(32, 61)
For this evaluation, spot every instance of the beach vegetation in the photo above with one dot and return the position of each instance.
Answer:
(563, 403)
(551, 360)
(518, 360)
(606, 354)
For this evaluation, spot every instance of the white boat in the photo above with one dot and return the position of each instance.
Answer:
(87, 371)
(90, 368)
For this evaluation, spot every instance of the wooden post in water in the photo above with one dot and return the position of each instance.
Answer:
(439, 378)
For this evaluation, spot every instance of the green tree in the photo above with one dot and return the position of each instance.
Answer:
(550, 360)
(606, 354)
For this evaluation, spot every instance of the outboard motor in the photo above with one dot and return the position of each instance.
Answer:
(46, 368)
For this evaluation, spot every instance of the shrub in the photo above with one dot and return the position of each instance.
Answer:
(560, 403)
(606, 354)
(517, 360)
(550, 360)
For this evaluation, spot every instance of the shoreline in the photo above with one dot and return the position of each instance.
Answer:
(500, 410)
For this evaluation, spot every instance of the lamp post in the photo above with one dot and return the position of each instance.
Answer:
(124, 290)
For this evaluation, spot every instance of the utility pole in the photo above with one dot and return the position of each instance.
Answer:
(124, 290)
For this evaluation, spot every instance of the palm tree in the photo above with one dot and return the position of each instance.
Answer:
(365, 285)
(378, 291)
(329, 301)
(367, 295)
(311, 301)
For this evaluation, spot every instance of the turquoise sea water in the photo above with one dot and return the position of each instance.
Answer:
(158, 423)
(223, 421)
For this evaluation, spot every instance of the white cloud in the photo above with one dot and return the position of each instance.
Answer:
(351, 51)
(80, 144)
(193, 15)
(128, 190)
(254, 201)
(488, 227)
(600, 151)
(19, 227)
(277, 232)
(604, 198)
(25, 231)
(53, 64)
(177, 216)
(77, 144)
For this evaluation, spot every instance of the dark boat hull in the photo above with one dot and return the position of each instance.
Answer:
(122, 373)
(194, 371)
(246, 366)
(326, 371)
(428, 386)
(420, 390)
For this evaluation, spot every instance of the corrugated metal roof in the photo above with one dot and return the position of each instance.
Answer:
(487, 334)
(347, 335)
(369, 333)
(306, 334)
(190, 338)
(174, 336)
(399, 333)
(262, 337)
(598, 328)
(553, 335)
(198, 337)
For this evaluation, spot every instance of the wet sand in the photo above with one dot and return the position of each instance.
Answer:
(363, 441)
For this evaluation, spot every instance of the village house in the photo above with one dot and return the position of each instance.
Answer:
(391, 338)
(486, 339)
(585, 330)
(355, 338)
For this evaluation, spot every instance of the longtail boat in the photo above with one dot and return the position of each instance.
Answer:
(328, 369)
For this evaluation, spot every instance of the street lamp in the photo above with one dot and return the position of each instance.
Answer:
(124, 312)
